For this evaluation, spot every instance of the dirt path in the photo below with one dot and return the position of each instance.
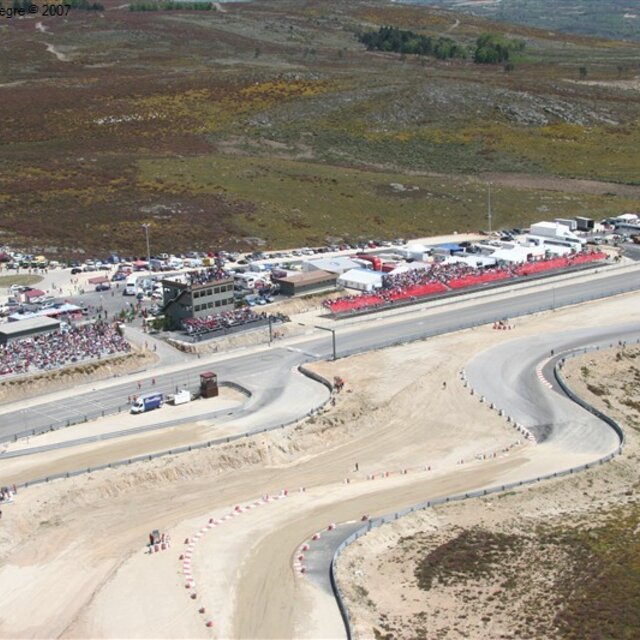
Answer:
(454, 26)
(63, 57)
(569, 185)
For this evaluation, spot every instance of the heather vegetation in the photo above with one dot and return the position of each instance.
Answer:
(272, 121)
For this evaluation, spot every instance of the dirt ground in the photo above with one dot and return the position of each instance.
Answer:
(514, 565)
(92, 529)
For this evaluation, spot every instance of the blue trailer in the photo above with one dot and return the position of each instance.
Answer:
(147, 402)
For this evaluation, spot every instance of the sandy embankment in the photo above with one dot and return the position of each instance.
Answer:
(394, 414)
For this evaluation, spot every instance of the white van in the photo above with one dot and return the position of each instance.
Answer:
(131, 286)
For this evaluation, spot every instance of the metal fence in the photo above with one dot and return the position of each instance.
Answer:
(191, 447)
(377, 522)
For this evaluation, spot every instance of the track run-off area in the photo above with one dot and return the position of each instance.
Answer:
(406, 429)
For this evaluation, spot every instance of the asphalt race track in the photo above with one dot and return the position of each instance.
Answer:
(269, 370)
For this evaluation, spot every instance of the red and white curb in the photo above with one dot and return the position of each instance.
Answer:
(541, 377)
(298, 563)
(212, 523)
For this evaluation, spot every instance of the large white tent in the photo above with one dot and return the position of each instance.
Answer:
(361, 279)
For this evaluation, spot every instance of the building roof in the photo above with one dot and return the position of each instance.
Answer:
(362, 276)
(513, 254)
(43, 313)
(31, 324)
(98, 280)
(334, 265)
(309, 277)
(198, 285)
(449, 246)
(473, 260)
(34, 293)
(545, 225)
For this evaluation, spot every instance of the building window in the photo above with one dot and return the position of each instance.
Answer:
(209, 305)
(216, 290)
(196, 294)
(217, 303)
(209, 292)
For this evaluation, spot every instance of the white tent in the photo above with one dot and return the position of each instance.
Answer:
(410, 266)
(361, 279)
(475, 261)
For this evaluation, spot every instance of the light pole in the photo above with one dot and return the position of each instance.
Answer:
(333, 338)
(489, 212)
(146, 235)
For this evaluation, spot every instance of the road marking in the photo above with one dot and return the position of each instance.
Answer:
(306, 353)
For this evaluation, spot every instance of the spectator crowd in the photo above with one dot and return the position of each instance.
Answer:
(223, 320)
(439, 277)
(68, 345)
(207, 275)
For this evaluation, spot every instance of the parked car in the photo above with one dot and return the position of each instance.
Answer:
(76, 270)
(104, 286)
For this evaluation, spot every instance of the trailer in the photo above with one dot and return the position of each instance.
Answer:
(181, 397)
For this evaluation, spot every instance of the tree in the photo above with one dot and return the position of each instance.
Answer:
(583, 72)
(495, 49)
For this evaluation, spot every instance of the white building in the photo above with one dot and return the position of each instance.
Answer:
(626, 218)
(552, 233)
(414, 252)
(361, 279)
(339, 265)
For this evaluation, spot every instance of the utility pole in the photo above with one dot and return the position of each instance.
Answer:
(146, 234)
(489, 207)
(333, 338)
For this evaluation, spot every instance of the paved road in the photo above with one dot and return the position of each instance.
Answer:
(508, 376)
(267, 370)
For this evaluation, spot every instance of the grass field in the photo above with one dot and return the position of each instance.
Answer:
(294, 200)
(270, 120)
(19, 279)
